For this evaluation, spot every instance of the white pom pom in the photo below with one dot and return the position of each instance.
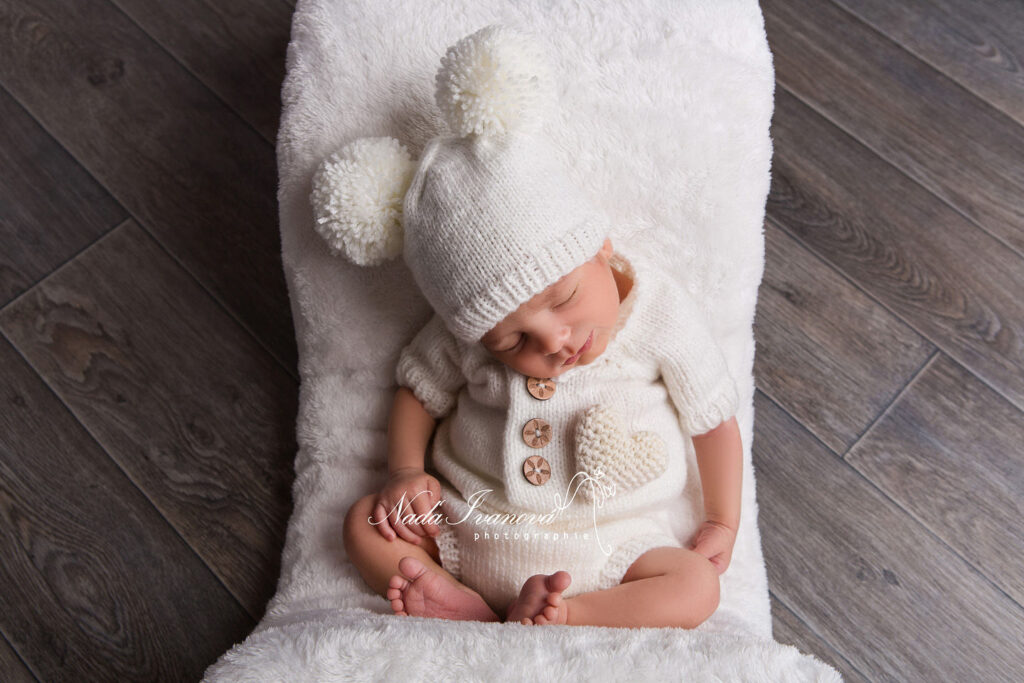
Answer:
(357, 199)
(494, 80)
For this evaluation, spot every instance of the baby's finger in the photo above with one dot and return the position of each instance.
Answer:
(401, 529)
(705, 548)
(381, 522)
(408, 513)
(435, 490)
(422, 504)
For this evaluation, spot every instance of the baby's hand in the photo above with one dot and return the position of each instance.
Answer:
(714, 541)
(421, 492)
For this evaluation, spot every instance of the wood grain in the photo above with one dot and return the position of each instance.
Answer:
(825, 351)
(168, 109)
(979, 44)
(789, 630)
(889, 596)
(12, 669)
(177, 158)
(950, 452)
(949, 280)
(952, 142)
(235, 47)
(50, 207)
(94, 584)
(190, 406)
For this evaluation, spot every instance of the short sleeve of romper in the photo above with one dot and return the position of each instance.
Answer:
(430, 366)
(693, 367)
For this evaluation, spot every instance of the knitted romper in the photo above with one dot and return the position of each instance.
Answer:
(612, 439)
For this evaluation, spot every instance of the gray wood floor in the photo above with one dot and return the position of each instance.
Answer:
(149, 383)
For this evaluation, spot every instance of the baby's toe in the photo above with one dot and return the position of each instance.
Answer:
(397, 581)
(559, 581)
(411, 568)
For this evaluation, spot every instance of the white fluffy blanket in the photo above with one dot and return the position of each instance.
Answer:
(664, 120)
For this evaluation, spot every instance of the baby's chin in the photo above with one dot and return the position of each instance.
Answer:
(587, 358)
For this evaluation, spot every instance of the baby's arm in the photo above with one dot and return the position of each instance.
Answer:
(429, 378)
(706, 398)
(409, 430)
(720, 461)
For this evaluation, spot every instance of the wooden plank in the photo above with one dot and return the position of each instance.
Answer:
(979, 44)
(949, 451)
(949, 280)
(52, 208)
(235, 47)
(177, 158)
(190, 406)
(789, 630)
(865, 576)
(12, 669)
(94, 584)
(827, 352)
(955, 144)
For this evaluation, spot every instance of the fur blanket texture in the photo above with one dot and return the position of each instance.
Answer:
(664, 114)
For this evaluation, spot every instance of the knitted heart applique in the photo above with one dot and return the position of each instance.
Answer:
(606, 451)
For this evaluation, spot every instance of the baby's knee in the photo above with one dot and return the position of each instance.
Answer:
(704, 590)
(357, 520)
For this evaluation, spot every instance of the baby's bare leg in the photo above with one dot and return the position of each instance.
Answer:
(379, 561)
(666, 586)
(376, 557)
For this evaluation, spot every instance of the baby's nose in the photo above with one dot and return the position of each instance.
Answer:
(556, 341)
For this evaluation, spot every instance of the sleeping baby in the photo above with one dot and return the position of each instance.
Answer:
(558, 388)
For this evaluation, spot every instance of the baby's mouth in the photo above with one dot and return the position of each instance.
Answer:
(586, 345)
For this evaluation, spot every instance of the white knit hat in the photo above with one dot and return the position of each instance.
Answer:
(487, 218)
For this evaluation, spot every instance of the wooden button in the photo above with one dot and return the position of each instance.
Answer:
(537, 433)
(536, 470)
(541, 388)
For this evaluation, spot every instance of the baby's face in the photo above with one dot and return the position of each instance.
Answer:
(544, 336)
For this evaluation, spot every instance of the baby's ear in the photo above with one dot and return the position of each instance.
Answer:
(357, 198)
(486, 341)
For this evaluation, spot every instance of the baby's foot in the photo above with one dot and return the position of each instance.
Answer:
(419, 592)
(540, 600)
